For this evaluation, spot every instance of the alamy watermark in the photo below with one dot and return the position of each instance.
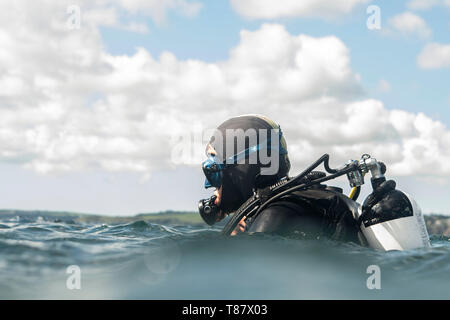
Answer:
(374, 281)
(74, 20)
(374, 20)
(235, 146)
(73, 282)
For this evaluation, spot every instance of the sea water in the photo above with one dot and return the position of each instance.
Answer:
(43, 258)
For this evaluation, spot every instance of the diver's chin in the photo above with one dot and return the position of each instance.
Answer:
(226, 211)
(222, 214)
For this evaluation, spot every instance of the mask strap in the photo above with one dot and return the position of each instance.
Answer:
(245, 153)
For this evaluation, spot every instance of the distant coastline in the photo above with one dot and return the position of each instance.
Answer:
(437, 224)
(163, 217)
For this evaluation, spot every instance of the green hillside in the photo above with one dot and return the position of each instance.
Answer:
(166, 217)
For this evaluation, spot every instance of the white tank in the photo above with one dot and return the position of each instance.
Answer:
(398, 234)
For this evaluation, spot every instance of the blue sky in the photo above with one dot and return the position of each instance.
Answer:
(72, 111)
(374, 55)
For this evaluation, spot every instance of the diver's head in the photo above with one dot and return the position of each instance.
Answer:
(245, 153)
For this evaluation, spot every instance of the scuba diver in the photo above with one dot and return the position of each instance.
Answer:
(248, 165)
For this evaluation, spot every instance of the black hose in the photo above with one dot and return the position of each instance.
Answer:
(358, 191)
(327, 166)
(325, 159)
(251, 206)
(307, 185)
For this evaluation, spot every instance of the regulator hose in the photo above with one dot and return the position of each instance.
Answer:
(342, 172)
(354, 194)
(253, 205)
(325, 159)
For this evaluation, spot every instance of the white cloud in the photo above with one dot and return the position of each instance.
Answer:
(109, 17)
(426, 4)
(268, 9)
(434, 56)
(136, 27)
(410, 24)
(107, 12)
(158, 9)
(67, 105)
(422, 4)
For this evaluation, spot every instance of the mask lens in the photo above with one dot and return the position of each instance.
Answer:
(213, 172)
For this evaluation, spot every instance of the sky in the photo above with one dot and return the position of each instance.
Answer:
(106, 105)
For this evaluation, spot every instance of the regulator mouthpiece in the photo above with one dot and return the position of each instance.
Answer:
(208, 210)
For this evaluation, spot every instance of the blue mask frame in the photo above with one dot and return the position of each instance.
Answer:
(213, 168)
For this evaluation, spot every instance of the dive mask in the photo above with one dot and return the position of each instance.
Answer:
(213, 170)
(213, 167)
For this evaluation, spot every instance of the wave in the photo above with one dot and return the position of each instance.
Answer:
(143, 260)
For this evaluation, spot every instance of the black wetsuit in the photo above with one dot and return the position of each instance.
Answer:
(310, 214)
(318, 212)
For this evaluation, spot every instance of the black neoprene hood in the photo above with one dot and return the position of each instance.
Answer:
(240, 180)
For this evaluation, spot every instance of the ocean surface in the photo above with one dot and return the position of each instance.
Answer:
(44, 258)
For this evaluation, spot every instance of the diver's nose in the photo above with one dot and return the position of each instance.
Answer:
(218, 194)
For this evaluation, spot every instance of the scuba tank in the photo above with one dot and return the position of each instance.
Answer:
(401, 233)
(387, 226)
(396, 221)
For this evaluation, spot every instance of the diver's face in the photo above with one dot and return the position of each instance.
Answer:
(218, 191)
(218, 194)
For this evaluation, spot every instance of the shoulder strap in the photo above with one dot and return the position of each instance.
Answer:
(259, 197)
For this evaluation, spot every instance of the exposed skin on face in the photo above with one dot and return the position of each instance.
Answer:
(218, 193)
